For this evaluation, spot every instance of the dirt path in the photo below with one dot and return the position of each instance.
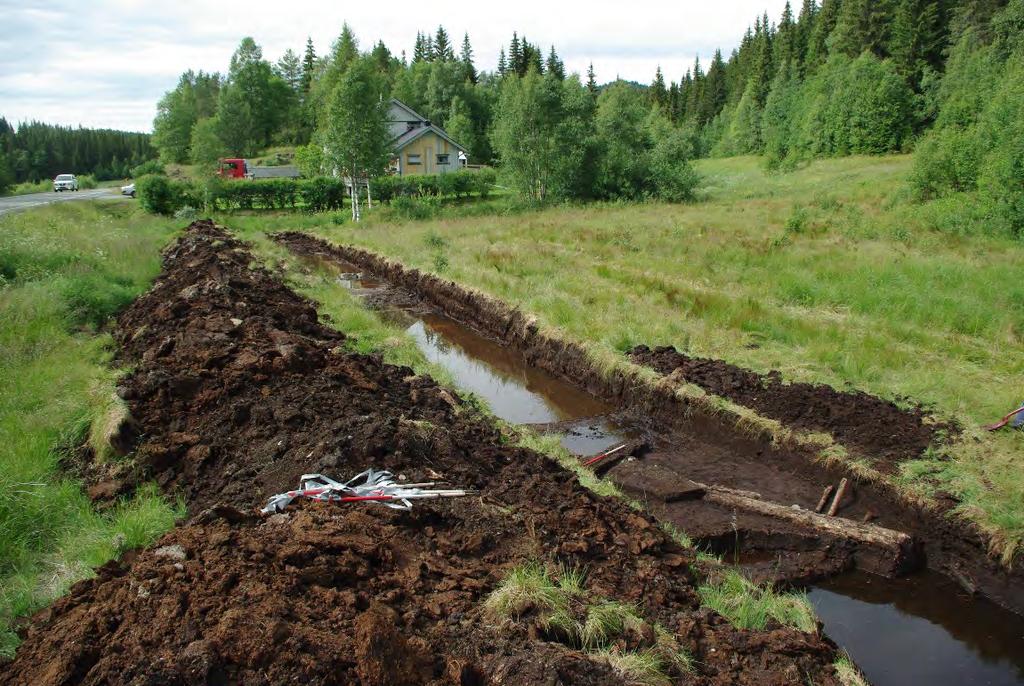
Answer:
(236, 391)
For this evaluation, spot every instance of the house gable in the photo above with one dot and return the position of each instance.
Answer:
(420, 147)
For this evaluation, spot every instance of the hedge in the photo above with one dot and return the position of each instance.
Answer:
(161, 195)
(455, 184)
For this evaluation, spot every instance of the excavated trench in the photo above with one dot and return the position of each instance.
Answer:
(900, 622)
(236, 389)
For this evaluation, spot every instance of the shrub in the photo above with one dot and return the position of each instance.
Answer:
(310, 160)
(86, 182)
(161, 195)
(947, 160)
(675, 179)
(150, 167)
(322, 193)
(408, 207)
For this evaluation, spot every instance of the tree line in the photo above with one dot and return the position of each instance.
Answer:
(836, 78)
(35, 151)
(552, 133)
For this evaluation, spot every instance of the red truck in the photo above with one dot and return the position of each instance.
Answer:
(233, 168)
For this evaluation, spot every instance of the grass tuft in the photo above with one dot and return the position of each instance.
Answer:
(637, 668)
(749, 606)
(848, 673)
(524, 588)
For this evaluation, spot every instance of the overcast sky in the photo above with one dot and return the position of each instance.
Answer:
(105, 63)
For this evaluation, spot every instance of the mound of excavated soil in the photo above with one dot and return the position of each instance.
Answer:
(237, 390)
(873, 426)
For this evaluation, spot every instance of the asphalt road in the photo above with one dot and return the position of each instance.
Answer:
(13, 203)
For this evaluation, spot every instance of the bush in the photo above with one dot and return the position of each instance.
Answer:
(947, 160)
(310, 160)
(150, 167)
(160, 195)
(86, 182)
(457, 184)
(674, 178)
(321, 194)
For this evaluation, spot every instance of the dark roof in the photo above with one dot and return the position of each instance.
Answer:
(412, 134)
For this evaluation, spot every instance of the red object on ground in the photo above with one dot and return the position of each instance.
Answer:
(597, 458)
(1005, 420)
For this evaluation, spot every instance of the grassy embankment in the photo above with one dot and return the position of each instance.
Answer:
(65, 270)
(830, 274)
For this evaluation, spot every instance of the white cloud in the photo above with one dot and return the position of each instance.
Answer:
(107, 62)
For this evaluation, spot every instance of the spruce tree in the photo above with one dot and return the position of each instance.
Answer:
(918, 38)
(696, 91)
(555, 65)
(715, 89)
(515, 56)
(824, 25)
(785, 38)
(443, 51)
(466, 59)
(345, 50)
(308, 66)
(591, 80)
(862, 25)
(804, 30)
(658, 92)
(419, 49)
(502, 63)
(382, 57)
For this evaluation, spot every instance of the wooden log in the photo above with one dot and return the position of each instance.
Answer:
(840, 494)
(824, 498)
(895, 543)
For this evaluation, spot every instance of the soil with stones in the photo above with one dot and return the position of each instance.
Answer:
(872, 426)
(237, 390)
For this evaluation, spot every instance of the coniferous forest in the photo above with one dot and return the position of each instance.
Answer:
(35, 151)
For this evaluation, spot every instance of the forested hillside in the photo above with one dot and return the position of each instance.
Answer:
(35, 151)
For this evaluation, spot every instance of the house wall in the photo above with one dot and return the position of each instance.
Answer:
(428, 147)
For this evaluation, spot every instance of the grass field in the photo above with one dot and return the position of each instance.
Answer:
(830, 274)
(64, 271)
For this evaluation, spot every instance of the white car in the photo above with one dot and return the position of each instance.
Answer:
(128, 190)
(65, 182)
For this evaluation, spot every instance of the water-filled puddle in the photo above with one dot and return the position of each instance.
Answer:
(921, 630)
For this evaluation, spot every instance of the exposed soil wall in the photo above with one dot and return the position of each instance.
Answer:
(871, 426)
(952, 546)
(237, 390)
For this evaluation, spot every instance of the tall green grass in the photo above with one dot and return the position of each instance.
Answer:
(65, 271)
(831, 274)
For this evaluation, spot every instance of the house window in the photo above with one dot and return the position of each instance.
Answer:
(442, 159)
(412, 158)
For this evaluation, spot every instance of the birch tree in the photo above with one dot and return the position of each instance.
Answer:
(356, 138)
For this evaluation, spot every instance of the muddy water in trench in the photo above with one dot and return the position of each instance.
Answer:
(920, 630)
